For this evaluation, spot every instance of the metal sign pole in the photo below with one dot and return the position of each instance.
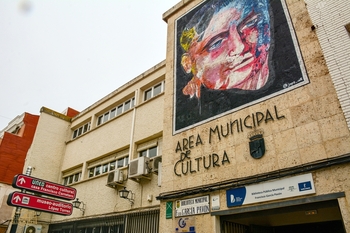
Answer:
(18, 209)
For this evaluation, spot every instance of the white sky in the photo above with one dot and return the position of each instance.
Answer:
(71, 53)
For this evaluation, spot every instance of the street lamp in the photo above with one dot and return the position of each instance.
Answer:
(125, 193)
(77, 203)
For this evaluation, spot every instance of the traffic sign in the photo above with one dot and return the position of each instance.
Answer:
(42, 186)
(39, 203)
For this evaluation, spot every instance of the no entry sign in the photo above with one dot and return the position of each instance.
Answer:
(39, 203)
(42, 186)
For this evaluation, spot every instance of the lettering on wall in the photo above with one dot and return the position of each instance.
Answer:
(189, 164)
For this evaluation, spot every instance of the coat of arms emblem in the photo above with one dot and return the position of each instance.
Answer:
(256, 144)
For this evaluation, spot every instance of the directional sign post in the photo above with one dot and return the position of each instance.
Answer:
(42, 186)
(39, 203)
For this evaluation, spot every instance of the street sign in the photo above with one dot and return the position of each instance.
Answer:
(42, 186)
(39, 203)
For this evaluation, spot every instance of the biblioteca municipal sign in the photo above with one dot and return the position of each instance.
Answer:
(192, 206)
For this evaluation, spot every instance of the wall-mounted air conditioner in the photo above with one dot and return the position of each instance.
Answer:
(138, 168)
(155, 163)
(33, 228)
(115, 178)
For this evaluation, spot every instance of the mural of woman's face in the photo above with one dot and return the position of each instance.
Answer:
(233, 49)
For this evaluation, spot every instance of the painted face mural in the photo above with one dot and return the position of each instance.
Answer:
(227, 45)
(230, 54)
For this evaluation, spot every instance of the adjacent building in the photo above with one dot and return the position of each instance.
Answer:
(243, 128)
(15, 141)
(113, 146)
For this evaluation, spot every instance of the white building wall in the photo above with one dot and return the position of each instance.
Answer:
(329, 18)
(48, 147)
(124, 135)
(5, 210)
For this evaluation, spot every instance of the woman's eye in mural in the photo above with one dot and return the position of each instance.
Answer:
(216, 42)
(250, 22)
(215, 45)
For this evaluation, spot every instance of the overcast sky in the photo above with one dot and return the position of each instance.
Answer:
(65, 53)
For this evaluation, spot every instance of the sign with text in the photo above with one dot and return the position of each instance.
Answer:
(267, 191)
(28, 201)
(42, 186)
(192, 206)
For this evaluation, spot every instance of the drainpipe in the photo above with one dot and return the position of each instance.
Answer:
(131, 148)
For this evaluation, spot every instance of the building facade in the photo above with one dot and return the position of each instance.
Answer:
(114, 145)
(256, 132)
(15, 141)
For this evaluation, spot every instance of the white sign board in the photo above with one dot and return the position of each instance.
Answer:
(267, 191)
(215, 202)
(192, 206)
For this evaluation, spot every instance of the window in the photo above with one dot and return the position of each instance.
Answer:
(107, 167)
(97, 170)
(148, 94)
(76, 177)
(16, 131)
(157, 89)
(122, 162)
(106, 117)
(81, 130)
(120, 109)
(100, 120)
(153, 91)
(85, 128)
(112, 166)
(72, 178)
(91, 172)
(127, 105)
(113, 111)
(116, 111)
(150, 152)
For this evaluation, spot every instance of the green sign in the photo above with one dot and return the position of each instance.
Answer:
(169, 210)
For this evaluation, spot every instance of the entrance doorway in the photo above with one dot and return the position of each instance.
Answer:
(317, 217)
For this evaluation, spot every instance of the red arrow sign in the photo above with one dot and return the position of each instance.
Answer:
(42, 186)
(39, 203)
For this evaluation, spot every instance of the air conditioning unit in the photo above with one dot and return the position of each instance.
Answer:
(156, 162)
(115, 178)
(138, 168)
(32, 228)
